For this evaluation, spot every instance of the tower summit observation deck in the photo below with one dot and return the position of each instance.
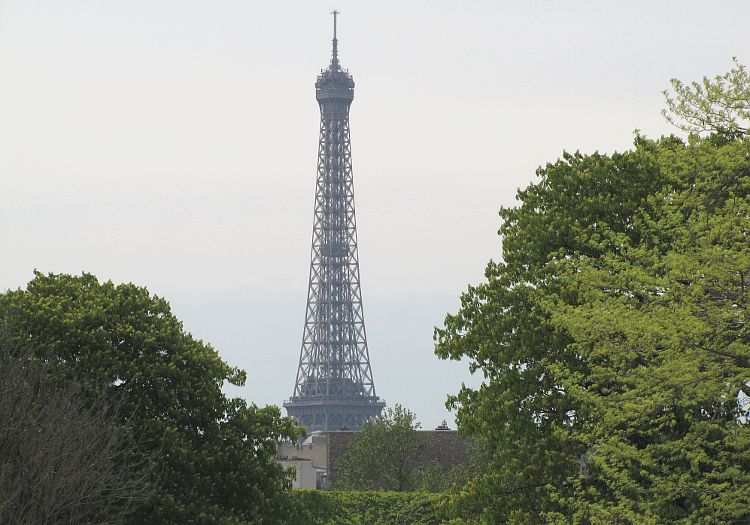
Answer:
(334, 388)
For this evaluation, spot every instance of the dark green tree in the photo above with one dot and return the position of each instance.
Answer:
(595, 408)
(214, 455)
(382, 456)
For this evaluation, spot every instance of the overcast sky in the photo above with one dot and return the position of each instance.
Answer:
(173, 144)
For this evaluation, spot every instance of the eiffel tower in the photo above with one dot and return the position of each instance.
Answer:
(334, 387)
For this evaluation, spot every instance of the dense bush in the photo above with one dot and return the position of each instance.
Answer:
(313, 507)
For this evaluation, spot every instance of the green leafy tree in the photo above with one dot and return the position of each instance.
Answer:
(382, 455)
(214, 455)
(436, 478)
(662, 325)
(714, 105)
(520, 415)
(598, 404)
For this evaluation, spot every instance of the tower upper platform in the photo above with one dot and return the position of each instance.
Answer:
(334, 82)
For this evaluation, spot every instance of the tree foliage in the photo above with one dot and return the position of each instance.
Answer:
(714, 105)
(315, 507)
(613, 342)
(62, 461)
(382, 455)
(214, 455)
(436, 478)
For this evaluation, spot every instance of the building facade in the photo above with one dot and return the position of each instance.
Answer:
(315, 460)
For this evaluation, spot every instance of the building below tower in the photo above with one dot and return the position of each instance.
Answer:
(316, 460)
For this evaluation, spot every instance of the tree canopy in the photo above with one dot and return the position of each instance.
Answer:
(382, 455)
(213, 454)
(613, 342)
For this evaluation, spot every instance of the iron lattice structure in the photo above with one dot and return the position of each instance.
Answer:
(334, 388)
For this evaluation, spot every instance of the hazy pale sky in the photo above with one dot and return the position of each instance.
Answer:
(173, 144)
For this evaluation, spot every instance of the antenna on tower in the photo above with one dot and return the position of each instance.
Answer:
(335, 60)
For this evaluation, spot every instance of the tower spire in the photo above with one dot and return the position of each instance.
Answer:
(335, 58)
